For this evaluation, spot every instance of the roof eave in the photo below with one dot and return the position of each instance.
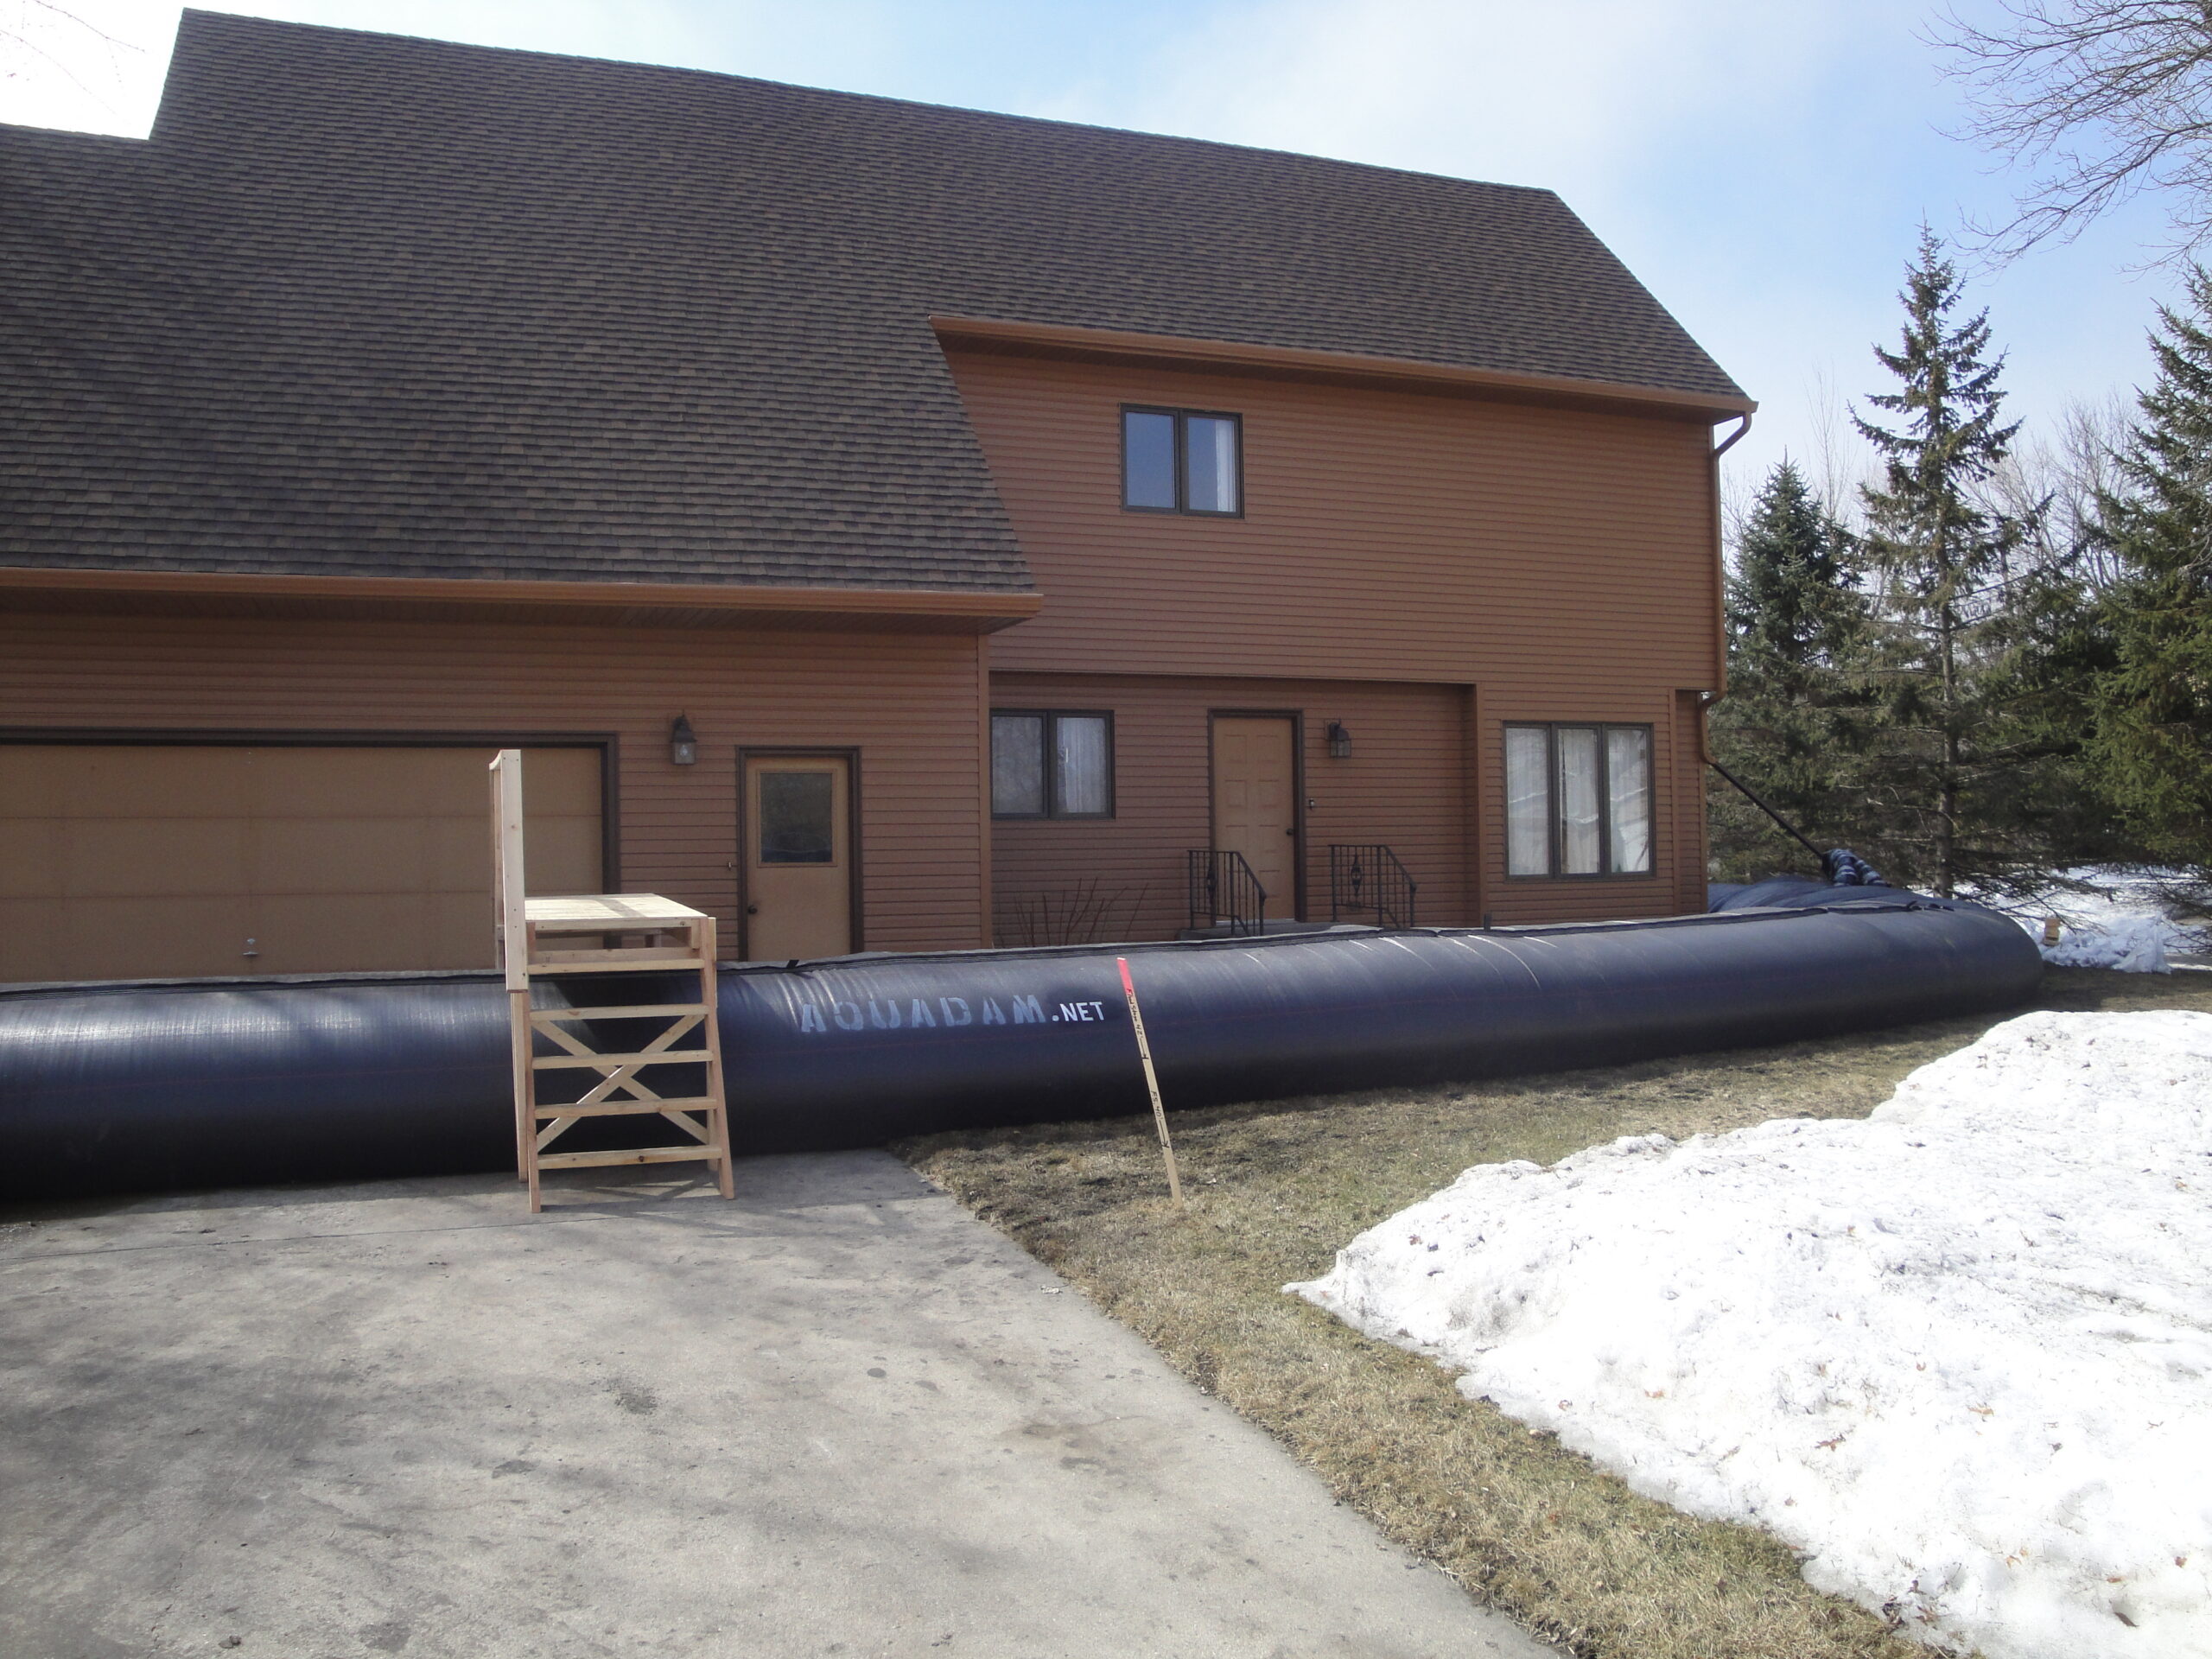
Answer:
(1240, 354)
(633, 603)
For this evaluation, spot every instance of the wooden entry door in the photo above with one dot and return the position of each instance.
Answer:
(798, 856)
(1255, 800)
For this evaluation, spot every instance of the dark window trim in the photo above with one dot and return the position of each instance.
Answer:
(1297, 719)
(1053, 774)
(607, 743)
(1182, 418)
(1555, 839)
(851, 756)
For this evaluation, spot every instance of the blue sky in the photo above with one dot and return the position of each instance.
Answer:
(1762, 167)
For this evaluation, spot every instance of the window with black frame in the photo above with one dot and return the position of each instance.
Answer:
(1182, 461)
(1050, 763)
(1578, 800)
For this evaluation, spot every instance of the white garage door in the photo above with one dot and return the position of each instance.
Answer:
(120, 862)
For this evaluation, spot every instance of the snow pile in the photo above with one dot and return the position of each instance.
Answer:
(2137, 919)
(1958, 1355)
(2134, 944)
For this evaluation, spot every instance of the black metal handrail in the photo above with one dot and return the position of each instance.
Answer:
(1367, 880)
(1225, 893)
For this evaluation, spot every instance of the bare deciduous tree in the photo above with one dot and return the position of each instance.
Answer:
(31, 36)
(2054, 484)
(2099, 100)
(1842, 464)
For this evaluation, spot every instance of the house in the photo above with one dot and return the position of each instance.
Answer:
(883, 526)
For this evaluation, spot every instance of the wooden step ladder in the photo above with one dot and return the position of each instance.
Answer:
(601, 933)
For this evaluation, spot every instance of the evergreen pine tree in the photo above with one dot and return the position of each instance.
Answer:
(1796, 620)
(2054, 641)
(1939, 761)
(2152, 748)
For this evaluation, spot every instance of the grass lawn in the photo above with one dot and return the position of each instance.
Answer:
(1278, 1185)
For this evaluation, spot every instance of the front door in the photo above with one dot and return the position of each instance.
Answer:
(1255, 800)
(798, 856)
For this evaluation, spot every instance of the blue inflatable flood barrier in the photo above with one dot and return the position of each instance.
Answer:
(156, 1085)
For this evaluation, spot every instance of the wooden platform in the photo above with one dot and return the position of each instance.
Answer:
(542, 939)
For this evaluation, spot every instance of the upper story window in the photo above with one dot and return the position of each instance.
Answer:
(1182, 461)
(1578, 800)
(1051, 764)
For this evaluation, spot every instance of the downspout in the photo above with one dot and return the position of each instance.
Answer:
(1707, 699)
(1719, 614)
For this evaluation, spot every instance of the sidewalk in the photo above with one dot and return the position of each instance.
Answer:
(837, 1417)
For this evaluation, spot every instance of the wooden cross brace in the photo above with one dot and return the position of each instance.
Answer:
(620, 1071)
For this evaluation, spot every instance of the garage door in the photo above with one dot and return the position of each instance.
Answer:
(123, 862)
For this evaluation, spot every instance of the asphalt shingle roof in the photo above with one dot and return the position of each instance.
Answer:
(369, 305)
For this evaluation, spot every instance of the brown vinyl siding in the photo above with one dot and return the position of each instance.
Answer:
(1689, 813)
(908, 703)
(1425, 568)
(1526, 561)
(1386, 535)
(1404, 785)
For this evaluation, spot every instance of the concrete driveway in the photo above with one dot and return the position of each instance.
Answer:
(838, 1416)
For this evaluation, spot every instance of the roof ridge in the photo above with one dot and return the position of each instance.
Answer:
(230, 19)
(69, 135)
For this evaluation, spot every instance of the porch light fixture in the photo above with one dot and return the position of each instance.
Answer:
(683, 742)
(1339, 741)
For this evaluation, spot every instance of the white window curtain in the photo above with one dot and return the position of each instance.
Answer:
(1528, 801)
(1081, 762)
(1018, 765)
(1212, 464)
(1580, 778)
(1628, 765)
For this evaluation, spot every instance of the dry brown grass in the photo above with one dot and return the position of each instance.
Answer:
(1276, 1187)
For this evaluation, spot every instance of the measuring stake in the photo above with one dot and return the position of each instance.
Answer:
(1151, 1081)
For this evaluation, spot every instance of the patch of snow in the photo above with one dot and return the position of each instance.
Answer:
(2127, 917)
(1958, 1355)
(2134, 944)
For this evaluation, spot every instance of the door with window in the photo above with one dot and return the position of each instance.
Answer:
(1255, 800)
(798, 856)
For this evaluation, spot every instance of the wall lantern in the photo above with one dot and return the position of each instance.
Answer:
(684, 742)
(1339, 741)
